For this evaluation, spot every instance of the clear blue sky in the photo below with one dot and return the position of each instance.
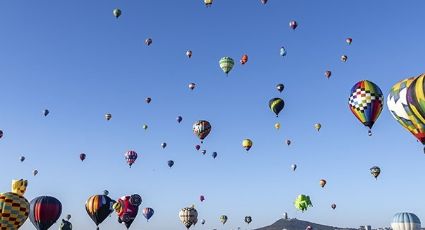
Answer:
(77, 60)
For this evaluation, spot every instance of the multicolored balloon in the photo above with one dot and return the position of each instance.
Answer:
(189, 53)
(208, 3)
(318, 126)
(366, 102)
(14, 208)
(349, 41)
(127, 208)
(226, 64)
(201, 129)
(344, 58)
(282, 51)
(99, 207)
(280, 87)
(328, 74)
(44, 212)
(248, 219)
(108, 116)
(130, 157)
(408, 115)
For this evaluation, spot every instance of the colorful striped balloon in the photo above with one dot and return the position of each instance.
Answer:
(44, 212)
(99, 207)
(226, 64)
(366, 102)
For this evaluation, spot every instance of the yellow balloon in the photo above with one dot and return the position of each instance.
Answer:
(317, 126)
(14, 208)
(277, 125)
(247, 144)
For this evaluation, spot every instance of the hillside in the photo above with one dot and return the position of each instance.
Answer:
(295, 224)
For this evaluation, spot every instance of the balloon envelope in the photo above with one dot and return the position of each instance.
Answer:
(99, 207)
(405, 221)
(44, 212)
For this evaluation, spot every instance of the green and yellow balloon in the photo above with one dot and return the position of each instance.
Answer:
(226, 64)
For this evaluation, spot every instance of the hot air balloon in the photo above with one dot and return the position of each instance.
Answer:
(82, 156)
(282, 51)
(349, 41)
(405, 221)
(117, 12)
(244, 59)
(127, 208)
(223, 219)
(264, 2)
(35, 172)
(375, 171)
(46, 112)
(276, 105)
(404, 112)
(22, 158)
(280, 87)
(248, 219)
(14, 208)
(130, 157)
(214, 155)
(148, 100)
(202, 198)
(204, 151)
(179, 119)
(333, 206)
(1, 133)
(366, 102)
(344, 58)
(44, 212)
(99, 207)
(163, 145)
(322, 183)
(201, 129)
(170, 163)
(247, 144)
(226, 64)
(147, 213)
(148, 41)
(65, 225)
(309, 228)
(277, 126)
(188, 216)
(303, 202)
(328, 74)
(68, 217)
(293, 24)
(108, 116)
(202, 221)
(208, 3)
(192, 86)
(318, 126)
(288, 142)
(197, 147)
(145, 126)
(294, 167)
(189, 53)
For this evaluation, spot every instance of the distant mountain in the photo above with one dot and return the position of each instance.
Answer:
(295, 224)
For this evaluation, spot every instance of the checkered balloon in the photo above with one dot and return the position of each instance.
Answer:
(366, 102)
